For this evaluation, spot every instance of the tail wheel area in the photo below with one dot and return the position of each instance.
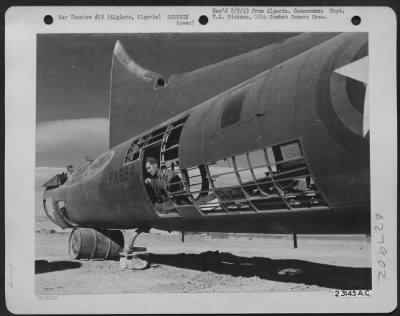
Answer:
(92, 244)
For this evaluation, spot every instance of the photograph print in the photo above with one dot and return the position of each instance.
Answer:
(202, 162)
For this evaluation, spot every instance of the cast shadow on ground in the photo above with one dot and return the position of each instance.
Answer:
(295, 271)
(44, 266)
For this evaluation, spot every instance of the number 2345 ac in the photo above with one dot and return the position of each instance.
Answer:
(352, 293)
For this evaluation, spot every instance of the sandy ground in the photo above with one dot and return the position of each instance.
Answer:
(205, 264)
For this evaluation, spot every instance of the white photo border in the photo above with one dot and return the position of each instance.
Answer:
(22, 24)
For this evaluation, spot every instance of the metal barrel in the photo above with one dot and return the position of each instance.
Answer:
(91, 244)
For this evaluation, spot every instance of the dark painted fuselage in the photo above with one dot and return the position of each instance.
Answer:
(302, 103)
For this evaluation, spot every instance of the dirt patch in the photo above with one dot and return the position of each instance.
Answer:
(204, 264)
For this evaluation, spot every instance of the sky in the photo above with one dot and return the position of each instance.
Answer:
(73, 80)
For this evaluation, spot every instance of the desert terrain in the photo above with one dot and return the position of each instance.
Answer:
(208, 263)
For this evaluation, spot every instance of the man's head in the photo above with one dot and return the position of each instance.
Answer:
(151, 165)
(70, 168)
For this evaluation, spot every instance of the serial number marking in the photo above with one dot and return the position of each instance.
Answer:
(121, 175)
(352, 293)
(382, 252)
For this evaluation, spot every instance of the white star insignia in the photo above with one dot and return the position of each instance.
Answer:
(358, 70)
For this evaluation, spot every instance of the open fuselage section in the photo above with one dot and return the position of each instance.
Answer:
(286, 151)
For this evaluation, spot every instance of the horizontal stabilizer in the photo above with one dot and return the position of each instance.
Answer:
(133, 67)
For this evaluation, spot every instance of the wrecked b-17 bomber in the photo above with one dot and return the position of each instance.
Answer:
(270, 141)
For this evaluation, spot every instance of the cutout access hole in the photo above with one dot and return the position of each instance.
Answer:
(161, 82)
(203, 20)
(48, 19)
(356, 20)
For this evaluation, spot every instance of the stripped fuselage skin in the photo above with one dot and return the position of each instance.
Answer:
(282, 148)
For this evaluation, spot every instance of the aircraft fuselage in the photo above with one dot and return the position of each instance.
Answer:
(286, 151)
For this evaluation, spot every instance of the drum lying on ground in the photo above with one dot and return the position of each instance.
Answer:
(86, 243)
